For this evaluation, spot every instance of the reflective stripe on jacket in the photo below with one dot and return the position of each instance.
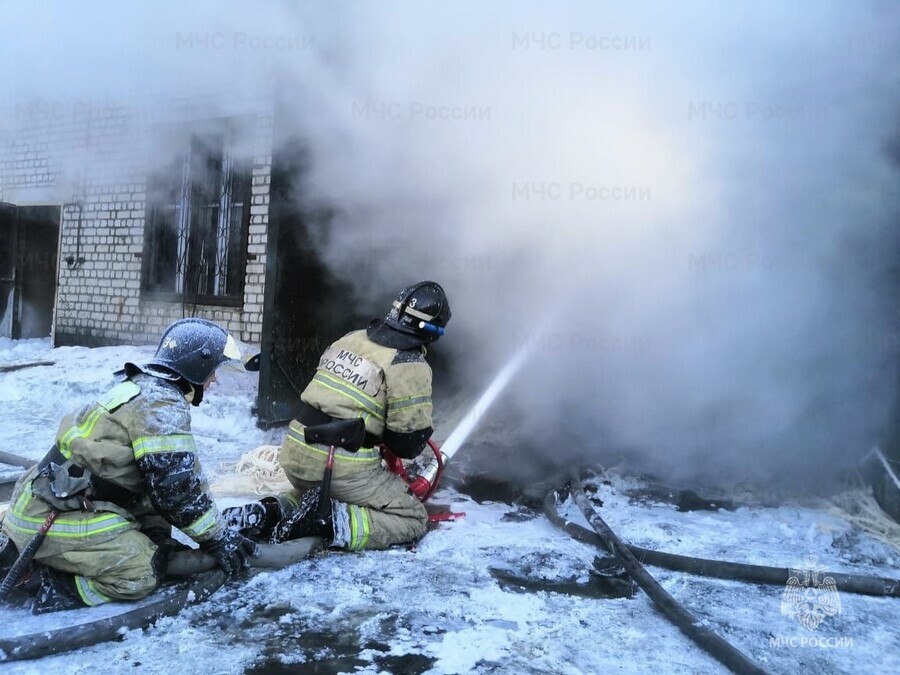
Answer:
(386, 387)
(138, 438)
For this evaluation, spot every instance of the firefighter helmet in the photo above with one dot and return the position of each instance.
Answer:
(193, 349)
(418, 316)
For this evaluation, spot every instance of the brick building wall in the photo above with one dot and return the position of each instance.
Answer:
(98, 155)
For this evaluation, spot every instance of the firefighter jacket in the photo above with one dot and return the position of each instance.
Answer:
(390, 389)
(135, 447)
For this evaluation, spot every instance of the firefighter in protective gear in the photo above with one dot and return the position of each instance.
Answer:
(122, 473)
(379, 375)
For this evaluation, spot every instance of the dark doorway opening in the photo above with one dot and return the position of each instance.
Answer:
(29, 244)
(306, 306)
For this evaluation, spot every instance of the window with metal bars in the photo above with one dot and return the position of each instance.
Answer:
(196, 235)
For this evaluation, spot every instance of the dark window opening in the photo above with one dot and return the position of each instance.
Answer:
(198, 216)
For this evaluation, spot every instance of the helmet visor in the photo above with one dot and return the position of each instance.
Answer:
(232, 351)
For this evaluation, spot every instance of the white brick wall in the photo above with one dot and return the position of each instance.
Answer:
(101, 157)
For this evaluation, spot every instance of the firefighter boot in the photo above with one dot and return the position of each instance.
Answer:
(8, 556)
(255, 520)
(30, 579)
(56, 592)
(306, 521)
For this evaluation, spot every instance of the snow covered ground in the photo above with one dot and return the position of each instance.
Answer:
(438, 609)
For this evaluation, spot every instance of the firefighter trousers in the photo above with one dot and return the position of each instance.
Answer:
(374, 508)
(104, 550)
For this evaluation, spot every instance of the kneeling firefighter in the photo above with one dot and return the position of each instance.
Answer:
(122, 473)
(380, 377)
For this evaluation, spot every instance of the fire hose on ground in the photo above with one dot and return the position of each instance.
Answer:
(715, 646)
(632, 557)
(849, 583)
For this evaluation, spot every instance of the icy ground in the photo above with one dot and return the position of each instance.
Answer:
(437, 609)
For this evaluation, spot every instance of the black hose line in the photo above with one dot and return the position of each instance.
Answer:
(849, 583)
(722, 651)
(68, 638)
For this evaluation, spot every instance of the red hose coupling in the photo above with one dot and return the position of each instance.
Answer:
(420, 487)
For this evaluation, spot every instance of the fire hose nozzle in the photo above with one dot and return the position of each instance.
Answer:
(424, 483)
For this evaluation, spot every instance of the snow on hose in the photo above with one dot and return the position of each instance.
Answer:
(712, 644)
(206, 580)
(860, 584)
(57, 641)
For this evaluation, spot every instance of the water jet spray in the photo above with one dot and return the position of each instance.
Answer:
(427, 479)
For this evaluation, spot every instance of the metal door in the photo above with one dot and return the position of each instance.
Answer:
(8, 254)
(29, 244)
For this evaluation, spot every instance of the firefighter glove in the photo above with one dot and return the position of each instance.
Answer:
(232, 551)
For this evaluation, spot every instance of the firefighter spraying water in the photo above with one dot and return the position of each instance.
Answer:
(372, 387)
(379, 379)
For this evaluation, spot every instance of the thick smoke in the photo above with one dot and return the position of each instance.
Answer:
(684, 210)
